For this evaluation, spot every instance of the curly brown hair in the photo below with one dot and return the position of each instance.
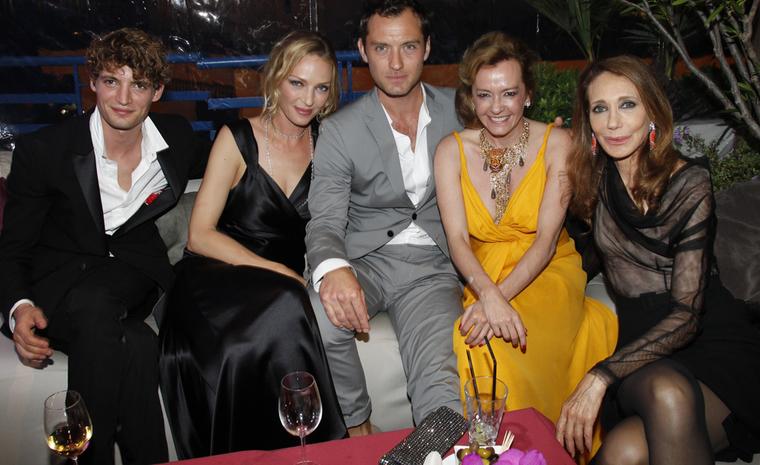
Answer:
(653, 167)
(490, 49)
(131, 47)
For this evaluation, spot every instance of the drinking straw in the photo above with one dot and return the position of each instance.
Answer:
(493, 385)
(474, 383)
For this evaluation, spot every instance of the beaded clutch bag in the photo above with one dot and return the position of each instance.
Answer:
(439, 431)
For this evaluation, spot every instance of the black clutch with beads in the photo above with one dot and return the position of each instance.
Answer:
(439, 431)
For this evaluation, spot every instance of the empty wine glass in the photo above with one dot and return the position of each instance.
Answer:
(300, 407)
(67, 424)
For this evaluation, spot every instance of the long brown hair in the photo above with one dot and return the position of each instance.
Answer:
(653, 167)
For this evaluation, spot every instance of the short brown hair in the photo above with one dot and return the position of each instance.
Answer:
(490, 49)
(146, 55)
(285, 56)
(653, 169)
(392, 9)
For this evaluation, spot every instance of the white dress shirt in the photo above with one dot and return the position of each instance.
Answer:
(147, 178)
(415, 169)
(119, 205)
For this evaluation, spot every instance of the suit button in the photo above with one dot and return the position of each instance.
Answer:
(390, 233)
(414, 216)
(83, 266)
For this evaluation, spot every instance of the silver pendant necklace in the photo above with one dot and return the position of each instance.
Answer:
(268, 155)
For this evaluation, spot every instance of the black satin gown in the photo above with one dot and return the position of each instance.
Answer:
(232, 332)
(670, 301)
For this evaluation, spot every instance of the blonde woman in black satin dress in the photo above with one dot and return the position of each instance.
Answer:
(239, 316)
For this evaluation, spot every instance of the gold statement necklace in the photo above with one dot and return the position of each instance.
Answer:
(500, 161)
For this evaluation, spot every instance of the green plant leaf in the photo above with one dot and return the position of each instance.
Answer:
(554, 94)
(746, 87)
(583, 20)
(715, 13)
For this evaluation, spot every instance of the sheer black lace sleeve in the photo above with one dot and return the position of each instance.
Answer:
(665, 252)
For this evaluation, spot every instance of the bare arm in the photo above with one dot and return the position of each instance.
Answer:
(551, 216)
(504, 321)
(224, 170)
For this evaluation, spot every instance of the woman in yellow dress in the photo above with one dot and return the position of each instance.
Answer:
(502, 193)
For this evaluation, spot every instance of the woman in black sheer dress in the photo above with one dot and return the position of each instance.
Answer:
(238, 317)
(682, 385)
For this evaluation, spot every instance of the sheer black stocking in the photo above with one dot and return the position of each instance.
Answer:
(670, 420)
(715, 412)
(625, 444)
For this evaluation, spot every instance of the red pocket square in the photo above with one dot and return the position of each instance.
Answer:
(152, 197)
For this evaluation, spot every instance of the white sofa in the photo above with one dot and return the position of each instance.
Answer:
(387, 387)
(23, 389)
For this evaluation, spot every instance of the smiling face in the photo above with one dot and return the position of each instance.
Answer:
(617, 116)
(303, 92)
(499, 97)
(395, 51)
(122, 100)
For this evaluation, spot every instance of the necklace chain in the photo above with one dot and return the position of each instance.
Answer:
(268, 155)
(500, 161)
(282, 134)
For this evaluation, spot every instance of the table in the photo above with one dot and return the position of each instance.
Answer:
(532, 431)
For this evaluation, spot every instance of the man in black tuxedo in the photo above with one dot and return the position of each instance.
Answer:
(81, 261)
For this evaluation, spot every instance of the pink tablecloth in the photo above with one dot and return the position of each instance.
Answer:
(532, 431)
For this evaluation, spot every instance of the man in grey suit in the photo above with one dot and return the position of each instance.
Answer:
(375, 241)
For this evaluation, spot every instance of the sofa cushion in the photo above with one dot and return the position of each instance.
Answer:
(384, 372)
(173, 226)
(737, 242)
(3, 197)
(5, 163)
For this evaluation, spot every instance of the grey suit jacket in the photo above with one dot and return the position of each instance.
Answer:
(357, 199)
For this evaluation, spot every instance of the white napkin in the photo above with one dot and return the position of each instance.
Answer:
(433, 458)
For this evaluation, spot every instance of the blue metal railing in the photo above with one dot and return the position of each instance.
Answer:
(345, 61)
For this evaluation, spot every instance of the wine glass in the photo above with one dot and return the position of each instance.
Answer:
(67, 424)
(300, 407)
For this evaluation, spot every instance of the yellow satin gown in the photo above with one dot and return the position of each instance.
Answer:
(567, 332)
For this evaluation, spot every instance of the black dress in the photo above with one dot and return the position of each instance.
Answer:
(670, 302)
(232, 332)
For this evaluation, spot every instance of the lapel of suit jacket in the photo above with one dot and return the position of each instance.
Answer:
(84, 168)
(378, 125)
(434, 134)
(165, 199)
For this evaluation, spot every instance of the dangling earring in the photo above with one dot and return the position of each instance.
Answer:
(593, 145)
(652, 135)
(527, 104)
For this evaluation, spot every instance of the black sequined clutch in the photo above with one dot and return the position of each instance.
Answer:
(439, 431)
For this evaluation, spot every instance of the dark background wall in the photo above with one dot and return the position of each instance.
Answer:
(251, 26)
(236, 27)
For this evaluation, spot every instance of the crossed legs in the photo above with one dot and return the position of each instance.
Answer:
(671, 419)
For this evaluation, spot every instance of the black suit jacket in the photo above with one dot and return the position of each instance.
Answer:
(53, 223)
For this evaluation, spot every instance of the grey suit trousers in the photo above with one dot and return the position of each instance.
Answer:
(420, 290)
